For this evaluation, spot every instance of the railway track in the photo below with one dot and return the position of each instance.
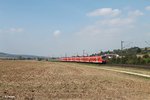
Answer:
(105, 67)
(126, 72)
(130, 65)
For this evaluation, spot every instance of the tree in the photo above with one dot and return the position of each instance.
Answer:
(139, 50)
(146, 56)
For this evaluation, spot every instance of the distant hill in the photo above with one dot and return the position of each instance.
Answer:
(15, 56)
(6, 55)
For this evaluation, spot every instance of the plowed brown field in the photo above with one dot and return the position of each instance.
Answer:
(33, 80)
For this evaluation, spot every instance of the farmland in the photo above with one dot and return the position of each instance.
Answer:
(39, 80)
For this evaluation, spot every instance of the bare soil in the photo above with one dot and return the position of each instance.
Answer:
(33, 80)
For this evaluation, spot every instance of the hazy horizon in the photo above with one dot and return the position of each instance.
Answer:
(57, 27)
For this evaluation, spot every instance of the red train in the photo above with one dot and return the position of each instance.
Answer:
(89, 59)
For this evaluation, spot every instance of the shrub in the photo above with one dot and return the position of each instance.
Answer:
(146, 56)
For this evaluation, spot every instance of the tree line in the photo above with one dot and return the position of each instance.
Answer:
(133, 55)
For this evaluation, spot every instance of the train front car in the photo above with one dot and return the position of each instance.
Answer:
(103, 60)
(97, 59)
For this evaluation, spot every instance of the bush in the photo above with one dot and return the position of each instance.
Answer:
(130, 59)
(146, 56)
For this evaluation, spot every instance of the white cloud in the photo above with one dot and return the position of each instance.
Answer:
(108, 29)
(147, 8)
(135, 13)
(16, 30)
(98, 36)
(56, 33)
(117, 22)
(91, 30)
(105, 12)
(12, 30)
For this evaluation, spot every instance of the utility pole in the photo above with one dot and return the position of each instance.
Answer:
(77, 54)
(99, 52)
(83, 52)
(65, 54)
(122, 51)
(122, 45)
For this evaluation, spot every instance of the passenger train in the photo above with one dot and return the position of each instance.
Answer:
(87, 59)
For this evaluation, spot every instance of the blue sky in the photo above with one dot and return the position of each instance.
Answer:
(56, 27)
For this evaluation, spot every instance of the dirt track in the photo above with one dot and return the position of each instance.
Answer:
(31, 80)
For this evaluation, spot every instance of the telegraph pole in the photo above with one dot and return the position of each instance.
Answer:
(99, 52)
(83, 52)
(122, 51)
(122, 45)
(77, 54)
(65, 54)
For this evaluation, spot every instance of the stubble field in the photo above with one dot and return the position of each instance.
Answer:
(33, 80)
